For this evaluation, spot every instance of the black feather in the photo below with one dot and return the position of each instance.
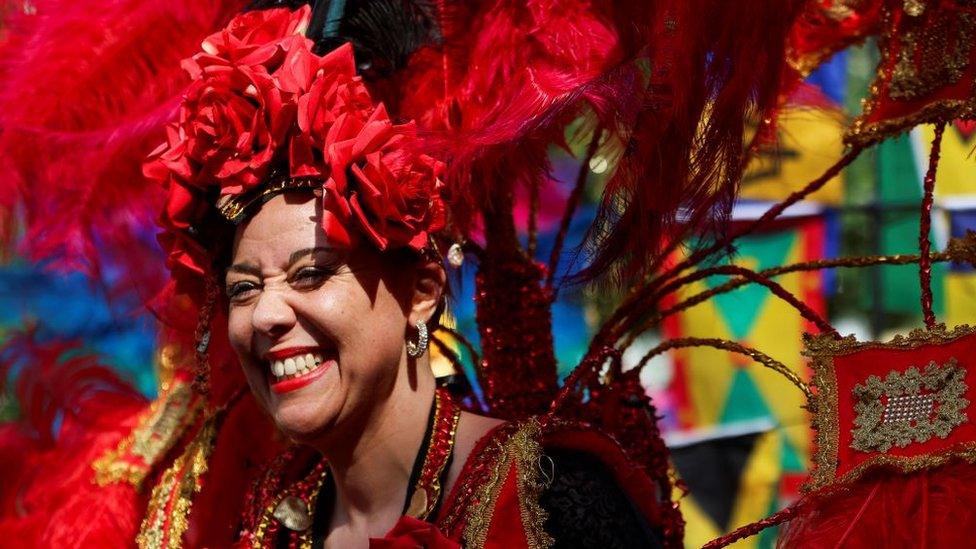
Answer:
(384, 33)
(268, 4)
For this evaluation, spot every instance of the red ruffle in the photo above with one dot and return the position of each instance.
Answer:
(411, 533)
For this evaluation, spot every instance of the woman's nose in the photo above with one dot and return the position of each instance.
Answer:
(273, 316)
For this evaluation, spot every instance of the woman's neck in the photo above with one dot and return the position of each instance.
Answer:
(371, 468)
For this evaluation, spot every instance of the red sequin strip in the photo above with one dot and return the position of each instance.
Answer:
(925, 226)
(446, 417)
(518, 365)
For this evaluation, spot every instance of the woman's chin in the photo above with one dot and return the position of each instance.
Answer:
(304, 411)
(300, 423)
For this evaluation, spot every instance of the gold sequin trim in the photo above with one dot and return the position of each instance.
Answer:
(155, 434)
(235, 207)
(524, 450)
(822, 349)
(905, 83)
(267, 515)
(933, 56)
(169, 505)
(864, 133)
(433, 492)
(919, 405)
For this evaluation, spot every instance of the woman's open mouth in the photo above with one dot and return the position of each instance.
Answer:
(296, 367)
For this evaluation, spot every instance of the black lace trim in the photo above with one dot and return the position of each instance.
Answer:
(587, 508)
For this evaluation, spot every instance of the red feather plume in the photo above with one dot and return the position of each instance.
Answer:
(670, 83)
(86, 88)
(73, 409)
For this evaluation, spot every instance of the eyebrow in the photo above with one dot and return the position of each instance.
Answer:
(298, 254)
(245, 268)
(248, 268)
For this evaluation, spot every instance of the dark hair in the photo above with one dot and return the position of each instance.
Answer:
(384, 33)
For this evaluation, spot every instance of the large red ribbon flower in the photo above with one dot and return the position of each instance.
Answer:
(262, 103)
(412, 533)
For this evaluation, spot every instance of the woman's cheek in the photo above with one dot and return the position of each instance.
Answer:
(238, 330)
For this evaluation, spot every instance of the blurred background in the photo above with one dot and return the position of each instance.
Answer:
(740, 440)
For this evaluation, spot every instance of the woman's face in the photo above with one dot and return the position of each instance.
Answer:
(319, 332)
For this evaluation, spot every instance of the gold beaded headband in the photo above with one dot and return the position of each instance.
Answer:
(235, 208)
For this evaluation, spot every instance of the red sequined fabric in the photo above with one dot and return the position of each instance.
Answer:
(518, 365)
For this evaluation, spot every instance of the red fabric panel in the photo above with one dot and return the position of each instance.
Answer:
(506, 530)
(854, 368)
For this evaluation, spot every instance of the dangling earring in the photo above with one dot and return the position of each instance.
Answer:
(201, 381)
(418, 348)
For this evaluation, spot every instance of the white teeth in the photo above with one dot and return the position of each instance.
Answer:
(295, 366)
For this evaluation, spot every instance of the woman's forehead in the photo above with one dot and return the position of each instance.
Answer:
(290, 220)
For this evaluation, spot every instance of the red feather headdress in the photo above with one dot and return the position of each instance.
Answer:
(86, 90)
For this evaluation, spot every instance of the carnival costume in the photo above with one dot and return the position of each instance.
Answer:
(417, 125)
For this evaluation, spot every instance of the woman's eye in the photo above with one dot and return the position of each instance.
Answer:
(309, 277)
(240, 291)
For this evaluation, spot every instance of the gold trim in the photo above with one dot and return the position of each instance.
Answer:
(481, 511)
(524, 450)
(425, 506)
(305, 538)
(822, 349)
(161, 528)
(468, 487)
(235, 207)
(946, 385)
(162, 424)
(863, 133)
(433, 495)
(931, 58)
(528, 455)
(267, 514)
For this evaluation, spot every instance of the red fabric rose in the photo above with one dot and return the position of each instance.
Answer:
(261, 97)
(332, 91)
(233, 126)
(411, 533)
(379, 186)
(254, 38)
(186, 258)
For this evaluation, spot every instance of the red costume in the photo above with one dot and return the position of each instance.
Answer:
(418, 124)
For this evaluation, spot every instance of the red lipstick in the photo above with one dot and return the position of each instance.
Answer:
(282, 354)
(295, 383)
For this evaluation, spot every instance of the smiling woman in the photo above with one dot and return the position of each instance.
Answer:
(291, 297)
(332, 283)
(320, 332)
(316, 163)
